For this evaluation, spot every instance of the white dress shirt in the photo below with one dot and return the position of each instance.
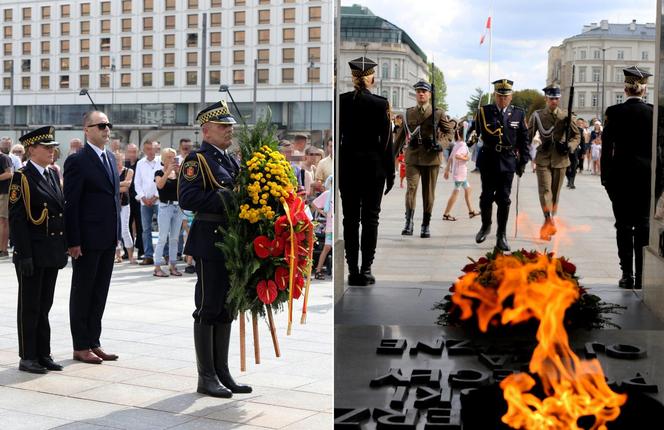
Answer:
(144, 178)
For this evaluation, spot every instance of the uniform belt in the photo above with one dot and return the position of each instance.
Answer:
(209, 217)
(499, 148)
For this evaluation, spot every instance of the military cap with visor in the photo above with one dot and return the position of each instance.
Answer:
(503, 86)
(42, 136)
(634, 75)
(217, 113)
(422, 85)
(362, 66)
(552, 91)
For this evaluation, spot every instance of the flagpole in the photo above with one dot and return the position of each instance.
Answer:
(490, 49)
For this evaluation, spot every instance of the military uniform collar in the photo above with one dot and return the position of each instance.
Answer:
(39, 168)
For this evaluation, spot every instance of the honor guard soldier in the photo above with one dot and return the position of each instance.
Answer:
(626, 168)
(423, 153)
(505, 151)
(366, 167)
(206, 181)
(36, 220)
(552, 158)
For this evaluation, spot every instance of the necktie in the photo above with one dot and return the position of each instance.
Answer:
(50, 180)
(107, 167)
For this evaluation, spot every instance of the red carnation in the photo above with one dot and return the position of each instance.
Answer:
(281, 277)
(262, 246)
(267, 291)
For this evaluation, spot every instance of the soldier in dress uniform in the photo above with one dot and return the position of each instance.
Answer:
(505, 151)
(552, 158)
(205, 183)
(36, 220)
(423, 153)
(366, 167)
(626, 168)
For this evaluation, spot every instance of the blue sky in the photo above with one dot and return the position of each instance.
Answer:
(449, 31)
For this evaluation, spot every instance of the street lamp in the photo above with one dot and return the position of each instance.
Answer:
(311, 103)
(84, 92)
(112, 87)
(225, 89)
(603, 79)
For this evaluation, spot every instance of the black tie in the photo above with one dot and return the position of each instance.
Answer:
(49, 178)
(104, 161)
(229, 162)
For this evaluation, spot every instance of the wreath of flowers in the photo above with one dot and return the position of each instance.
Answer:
(588, 312)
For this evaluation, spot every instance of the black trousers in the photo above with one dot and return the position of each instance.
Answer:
(135, 217)
(361, 205)
(571, 169)
(211, 292)
(35, 298)
(90, 280)
(496, 187)
(632, 229)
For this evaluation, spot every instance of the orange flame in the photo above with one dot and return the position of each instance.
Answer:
(575, 387)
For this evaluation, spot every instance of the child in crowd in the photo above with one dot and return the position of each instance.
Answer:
(401, 161)
(596, 153)
(457, 163)
(324, 204)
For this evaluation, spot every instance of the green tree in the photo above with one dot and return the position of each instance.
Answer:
(529, 100)
(439, 86)
(474, 103)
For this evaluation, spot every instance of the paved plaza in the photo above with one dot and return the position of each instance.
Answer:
(152, 386)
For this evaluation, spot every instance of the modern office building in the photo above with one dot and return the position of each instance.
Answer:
(599, 54)
(144, 61)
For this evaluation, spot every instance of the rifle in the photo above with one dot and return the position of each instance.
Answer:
(435, 146)
(563, 147)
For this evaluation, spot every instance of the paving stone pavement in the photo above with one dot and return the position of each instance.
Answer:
(152, 386)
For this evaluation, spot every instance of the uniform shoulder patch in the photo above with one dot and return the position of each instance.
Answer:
(14, 193)
(190, 169)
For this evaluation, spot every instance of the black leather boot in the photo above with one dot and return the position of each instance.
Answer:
(501, 233)
(222, 339)
(481, 235)
(425, 226)
(31, 366)
(408, 229)
(627, 281)
(366, 272)
(208, 382)
(355, 278)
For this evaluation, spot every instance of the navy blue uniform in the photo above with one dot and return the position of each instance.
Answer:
(207, 177)
(505, 138)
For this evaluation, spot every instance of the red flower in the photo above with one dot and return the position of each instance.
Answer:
(567, 266)
(278, 246)
(267, 291)
(281, 277)
(470, 267)
(281, 226)
(262, 246)
(298, 284)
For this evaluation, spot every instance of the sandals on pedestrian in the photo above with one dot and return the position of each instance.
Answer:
(118, 259)
(174, 272)
(320, 274)
(160, 273)
(448, 217)
(473, 214)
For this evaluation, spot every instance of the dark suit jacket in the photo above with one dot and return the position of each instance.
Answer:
(490, 123)
(43, 242)
(92, 201)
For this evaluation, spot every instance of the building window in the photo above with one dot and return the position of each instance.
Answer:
(85, 45)
(169, 41)
(192, 40)
(46, 29)
(126, 25)
(385, 71)
(7, 83)
(287, 76)
(105, 44)
(239, 18)
(619, 98)
(215, 77)
(313, 54)
(27, 13)
(263, 56)
(46, 12)
(582, 53)
(215, 38)
(147, 61)
(314, 13)
(125, 80)
(85, 9)
(238, 76)
(148, 5)
(170, 5)
(240, 2)
(84, 63)
(7, 66)
(105, 62)
(25, 65)
(125, 61)
(64, 28)
(288, 55)
(192, 4)
(263, 1)
(106, 8)
(147, 23)
(289, 15)
(169, 60)
(215, 58)
(64, 81)
(314, 34)
(126, 43)
(105, 80)
(263, 36)
(644, 55)
(65, 11)
(192, 21)
(263, 76)
(169, 22)
(27, 31)
(596, 55)
(147, 42)
(313, 74)
(46, 47)
(582, 74)
(169, 79)
(395, 98)
(215, 20)
(593, 102)
(8, 32)
(25, 82)
(264, 16)
(27, 48)
(45, 82)
(596, 74)
(238, 57)
(85, 27)
(288, 35)
(64, 63)
(621, 54)
(45, 65)
(215, 3)
(147, 79)
(192, 58)
(8, 15)
(126, 6)
(192, 78)
(84, 81)
(238, 37)
(397, 73)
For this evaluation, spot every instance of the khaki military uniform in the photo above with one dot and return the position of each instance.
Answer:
(421, 162)
(551, 164)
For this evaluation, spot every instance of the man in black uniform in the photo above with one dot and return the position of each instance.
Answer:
(505, 151)
(36, 207)
(206, 181)
(626, 160)
(366, 167)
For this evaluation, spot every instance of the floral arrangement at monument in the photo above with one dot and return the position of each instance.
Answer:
(588, 311)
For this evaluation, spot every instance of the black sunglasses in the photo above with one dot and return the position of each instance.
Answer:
(102, 125)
